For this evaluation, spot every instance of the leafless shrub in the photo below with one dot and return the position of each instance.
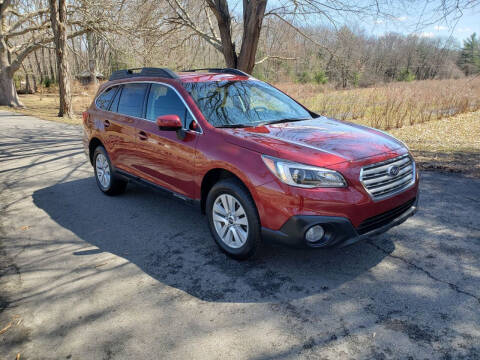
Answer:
(393, 105)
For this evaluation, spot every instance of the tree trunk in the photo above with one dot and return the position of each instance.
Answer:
(77, 68)
(8, 93)
(92, 62)
(224, 21)
(253, 13)
(52, 66)
(28, 83)
(58, 16)
(39, 67)
(34, 77)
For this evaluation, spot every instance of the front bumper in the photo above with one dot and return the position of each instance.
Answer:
(339, 231)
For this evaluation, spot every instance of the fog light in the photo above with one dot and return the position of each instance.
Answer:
(314, 234)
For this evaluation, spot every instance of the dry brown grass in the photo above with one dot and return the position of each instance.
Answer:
(450, 144)
(394, 105)
(44, 104)
(437, 118)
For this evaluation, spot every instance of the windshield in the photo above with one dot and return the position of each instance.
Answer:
(244, 103)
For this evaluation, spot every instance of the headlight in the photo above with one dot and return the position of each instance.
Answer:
(302, 175)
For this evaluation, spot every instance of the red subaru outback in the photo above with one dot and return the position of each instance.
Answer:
(258, 163)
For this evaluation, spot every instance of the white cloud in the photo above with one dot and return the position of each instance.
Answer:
(464, 30)
(401, 18)
(379, 21)
(426, 34)
(440, 27)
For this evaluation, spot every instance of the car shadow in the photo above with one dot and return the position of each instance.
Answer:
(170, 242)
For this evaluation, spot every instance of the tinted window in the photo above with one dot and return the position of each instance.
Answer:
(131, 99)
(103, 101)
(163, 100)
(114, 106)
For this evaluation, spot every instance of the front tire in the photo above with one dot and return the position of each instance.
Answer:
(108, 182)
(233, 219)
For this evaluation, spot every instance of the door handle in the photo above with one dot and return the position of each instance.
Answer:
(142, 135)
(106, 123)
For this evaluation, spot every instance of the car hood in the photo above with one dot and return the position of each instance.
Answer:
(323, 140)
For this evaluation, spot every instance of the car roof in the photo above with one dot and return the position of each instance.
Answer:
(209, 76)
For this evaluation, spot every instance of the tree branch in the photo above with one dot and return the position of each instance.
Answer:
(305, 35)
(45, 25)
(24, 18)
(185, 20)
(268, 57)
(3, 6)
(36, 45)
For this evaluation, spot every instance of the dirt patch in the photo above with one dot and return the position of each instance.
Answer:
(449, 145)
(466, 163)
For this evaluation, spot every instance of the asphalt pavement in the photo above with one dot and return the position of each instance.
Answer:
(138, 276)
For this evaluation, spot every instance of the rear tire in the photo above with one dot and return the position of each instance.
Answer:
(233, 219)
(108, 182)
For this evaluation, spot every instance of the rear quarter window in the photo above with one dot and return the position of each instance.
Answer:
(105, 98)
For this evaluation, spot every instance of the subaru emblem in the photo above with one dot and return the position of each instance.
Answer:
(393, 170)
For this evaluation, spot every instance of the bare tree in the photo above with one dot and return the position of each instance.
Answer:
(58, 17)
(11, 56)
(295, 14)
(23, 29)
(292, 13)
(253, 14)
(92, 56)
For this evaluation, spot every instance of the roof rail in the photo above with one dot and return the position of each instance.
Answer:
(220, 70)
(147, 71)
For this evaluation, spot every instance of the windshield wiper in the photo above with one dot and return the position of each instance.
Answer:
(262, 123)
(233, 126)
(280, 121)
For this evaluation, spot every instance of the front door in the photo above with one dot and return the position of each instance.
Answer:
(162, 157)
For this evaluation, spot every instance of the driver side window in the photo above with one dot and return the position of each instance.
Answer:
(162, 100)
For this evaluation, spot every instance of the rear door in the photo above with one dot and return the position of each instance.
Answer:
(125, 110)
(163, 158)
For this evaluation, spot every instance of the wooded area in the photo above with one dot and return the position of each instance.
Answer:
(45, 42)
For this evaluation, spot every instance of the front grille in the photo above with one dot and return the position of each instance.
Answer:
(382, 181)
(383, 219)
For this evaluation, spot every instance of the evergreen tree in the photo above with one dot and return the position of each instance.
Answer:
(469, 60)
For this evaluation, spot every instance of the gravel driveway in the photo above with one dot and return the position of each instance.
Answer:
(86, 276)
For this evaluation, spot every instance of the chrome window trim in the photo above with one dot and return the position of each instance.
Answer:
(396, 192)
(151, 82)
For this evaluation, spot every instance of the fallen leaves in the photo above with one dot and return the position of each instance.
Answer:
(15, 321)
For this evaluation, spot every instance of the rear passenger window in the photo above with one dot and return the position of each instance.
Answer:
(103, 101)
(114, 106)
(131, 99)
(163, 100)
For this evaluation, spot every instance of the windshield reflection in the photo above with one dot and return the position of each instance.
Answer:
(244, 103)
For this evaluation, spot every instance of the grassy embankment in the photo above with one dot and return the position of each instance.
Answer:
(438, 119)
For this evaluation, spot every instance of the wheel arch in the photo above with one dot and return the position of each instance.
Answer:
(212, 177)
(92, 145)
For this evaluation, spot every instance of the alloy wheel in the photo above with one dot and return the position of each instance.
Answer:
(103, 170)
(230, 220)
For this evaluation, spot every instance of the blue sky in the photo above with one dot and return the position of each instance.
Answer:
(421, 17)
(459, 27)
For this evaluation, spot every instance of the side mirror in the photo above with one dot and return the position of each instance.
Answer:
(169, 122)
